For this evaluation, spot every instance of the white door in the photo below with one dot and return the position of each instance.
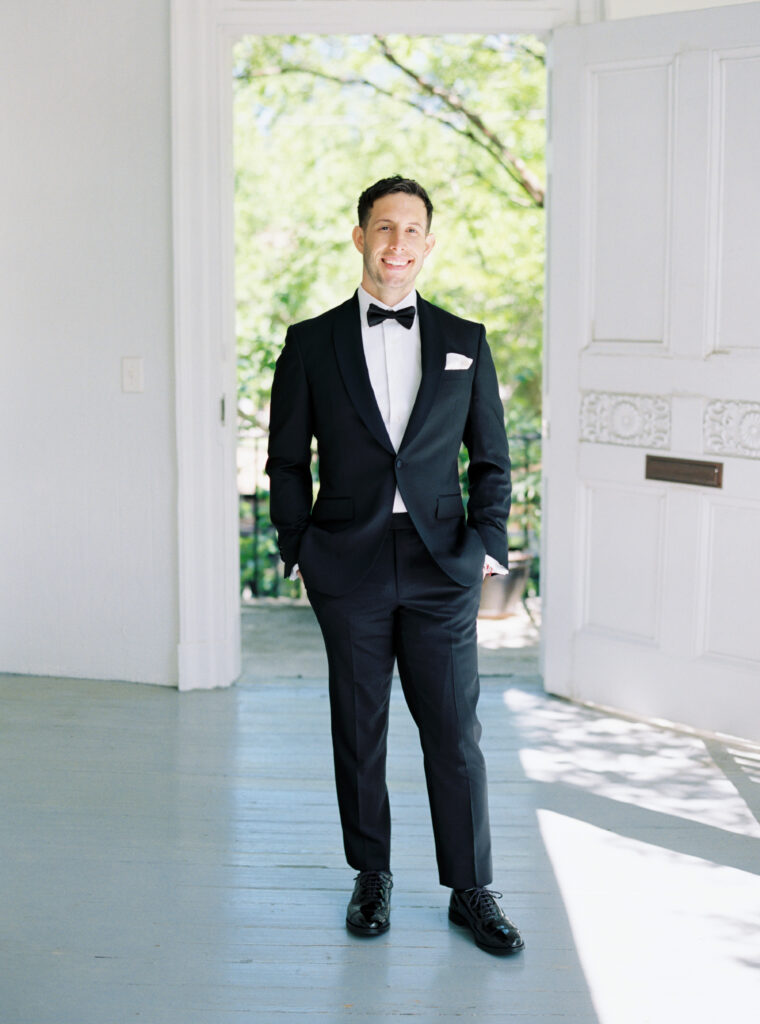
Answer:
(652, 587)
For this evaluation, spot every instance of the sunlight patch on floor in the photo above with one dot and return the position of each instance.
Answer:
(663, 938)
(631, 762)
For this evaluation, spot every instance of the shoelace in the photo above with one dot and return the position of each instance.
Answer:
(483, 902)
(373, 883)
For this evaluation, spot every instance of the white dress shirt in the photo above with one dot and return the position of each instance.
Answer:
(394, 360)
(393, 354)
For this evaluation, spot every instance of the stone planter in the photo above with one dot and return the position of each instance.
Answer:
(501, 595)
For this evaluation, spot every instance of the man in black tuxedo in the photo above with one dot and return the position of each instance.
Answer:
(391, 386)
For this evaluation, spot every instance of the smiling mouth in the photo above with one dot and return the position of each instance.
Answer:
(396, 263)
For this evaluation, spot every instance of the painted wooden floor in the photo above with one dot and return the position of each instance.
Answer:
(175, 859)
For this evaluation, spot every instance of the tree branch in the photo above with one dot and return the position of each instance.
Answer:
(519, 44)
(515, 165)
(491, 144)
(523, 204)
(289, 69)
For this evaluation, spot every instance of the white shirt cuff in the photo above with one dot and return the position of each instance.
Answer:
(492, 566)
(294, 572)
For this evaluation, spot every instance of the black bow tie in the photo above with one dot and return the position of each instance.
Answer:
(376, 315)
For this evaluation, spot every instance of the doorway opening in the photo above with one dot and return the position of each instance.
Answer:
(315, 120)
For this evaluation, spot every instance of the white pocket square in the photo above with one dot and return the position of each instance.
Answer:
(456, 361)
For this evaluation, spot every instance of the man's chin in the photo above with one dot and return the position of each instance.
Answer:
(402, 284)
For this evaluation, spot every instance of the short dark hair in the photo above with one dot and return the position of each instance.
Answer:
(385, 187)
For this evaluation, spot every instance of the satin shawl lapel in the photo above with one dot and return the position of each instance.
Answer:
(349, 350)
(433, 342)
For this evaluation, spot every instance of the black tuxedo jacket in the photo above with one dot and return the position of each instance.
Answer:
(322, 389)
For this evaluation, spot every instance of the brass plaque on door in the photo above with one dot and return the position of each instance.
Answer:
(684, 471)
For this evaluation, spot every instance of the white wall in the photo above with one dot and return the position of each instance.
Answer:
(88, 561)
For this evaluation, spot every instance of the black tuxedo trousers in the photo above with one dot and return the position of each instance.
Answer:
(407, 609)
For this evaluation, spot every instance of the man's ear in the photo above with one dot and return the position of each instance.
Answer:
(358, 236)
(429, 243)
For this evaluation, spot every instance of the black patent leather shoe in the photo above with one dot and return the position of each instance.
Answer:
(369, 909)
(478, 910)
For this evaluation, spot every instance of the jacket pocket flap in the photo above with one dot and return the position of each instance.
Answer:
(326, 509)
(449, 506)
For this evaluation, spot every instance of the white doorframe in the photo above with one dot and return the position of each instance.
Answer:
(202, 35)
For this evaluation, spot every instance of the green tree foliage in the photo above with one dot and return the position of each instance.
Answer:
(317, 119)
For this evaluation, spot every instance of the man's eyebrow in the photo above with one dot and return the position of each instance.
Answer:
(389, 220)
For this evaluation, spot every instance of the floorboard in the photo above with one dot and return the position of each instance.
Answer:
(175, 858)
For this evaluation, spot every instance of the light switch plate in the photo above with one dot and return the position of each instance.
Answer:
(132, 374)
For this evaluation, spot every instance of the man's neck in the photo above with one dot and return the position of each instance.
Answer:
(391, 302)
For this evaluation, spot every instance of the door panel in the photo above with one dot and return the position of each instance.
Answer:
(731, 622)
(630, 117)
(652, 588)
(737, 88)
(622, 578)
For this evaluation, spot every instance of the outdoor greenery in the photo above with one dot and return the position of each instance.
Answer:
(259, 558)
(317, 119)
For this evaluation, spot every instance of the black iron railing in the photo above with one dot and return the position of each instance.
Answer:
(260, 565)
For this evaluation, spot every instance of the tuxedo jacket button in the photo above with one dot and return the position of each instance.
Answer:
(399, 463)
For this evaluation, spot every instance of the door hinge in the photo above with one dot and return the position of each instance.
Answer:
(223, 410)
